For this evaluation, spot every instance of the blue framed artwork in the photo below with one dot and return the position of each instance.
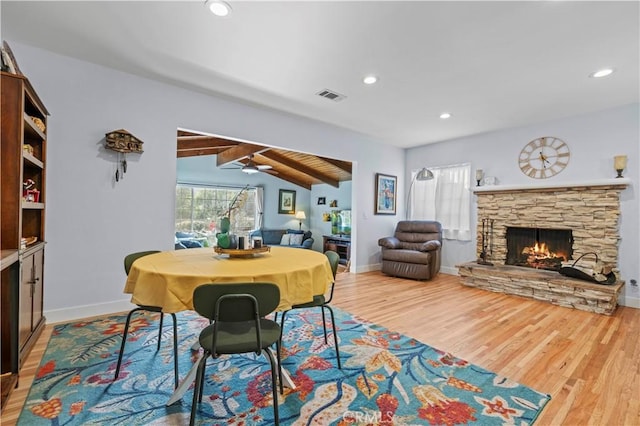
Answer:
(386, 194)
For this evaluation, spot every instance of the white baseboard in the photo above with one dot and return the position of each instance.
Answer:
(368, 268)
(629, 301)
(449, 270)
(78, 312)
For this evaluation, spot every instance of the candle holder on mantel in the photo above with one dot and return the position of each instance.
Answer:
(487, 242)
(619, 163)
(479, 176)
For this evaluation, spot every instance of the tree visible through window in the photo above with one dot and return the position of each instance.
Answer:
(199, 210)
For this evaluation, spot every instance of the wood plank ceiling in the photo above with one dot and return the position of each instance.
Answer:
(300, 169)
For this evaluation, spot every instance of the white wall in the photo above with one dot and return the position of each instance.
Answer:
(93, 222)
(593, 139)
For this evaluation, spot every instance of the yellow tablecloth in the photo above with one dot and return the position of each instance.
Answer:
(167, 279)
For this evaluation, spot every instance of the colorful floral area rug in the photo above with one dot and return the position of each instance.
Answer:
(386, 379)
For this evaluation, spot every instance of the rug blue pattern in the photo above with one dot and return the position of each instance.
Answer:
(386, 379)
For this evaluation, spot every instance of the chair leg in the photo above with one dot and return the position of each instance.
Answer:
(276, 416)
(324, 325)
(124, 340)
(197, 389)
(284, 313)
(278, 348)
(335, 335)
(160, 330)
(175, 351)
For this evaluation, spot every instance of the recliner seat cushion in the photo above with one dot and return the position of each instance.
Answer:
(409, 256)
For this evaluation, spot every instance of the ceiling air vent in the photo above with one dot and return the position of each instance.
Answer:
(326, 93)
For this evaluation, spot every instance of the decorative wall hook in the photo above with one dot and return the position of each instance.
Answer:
(122, 142)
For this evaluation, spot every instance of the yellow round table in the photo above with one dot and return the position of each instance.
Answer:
(167, 279)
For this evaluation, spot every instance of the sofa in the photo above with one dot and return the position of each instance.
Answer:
(413, 251)
(292, 237)
(186, 240)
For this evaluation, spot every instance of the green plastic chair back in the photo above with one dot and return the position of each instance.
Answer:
(206, 297)
(334, 260)
(130, 258)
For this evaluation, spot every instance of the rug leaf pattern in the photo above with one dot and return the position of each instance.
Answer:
(386, 379)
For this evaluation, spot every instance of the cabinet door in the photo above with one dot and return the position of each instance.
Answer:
(26, 289)
(37, 296)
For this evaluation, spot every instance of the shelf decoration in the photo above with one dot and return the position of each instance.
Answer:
(122, 142)
(29, 193)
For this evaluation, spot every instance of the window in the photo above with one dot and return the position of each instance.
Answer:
(200, 208)
(445, 198)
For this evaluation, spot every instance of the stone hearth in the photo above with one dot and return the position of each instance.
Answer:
(590, 210)
(543, 285)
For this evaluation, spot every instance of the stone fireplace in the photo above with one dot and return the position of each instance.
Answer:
(571, 219)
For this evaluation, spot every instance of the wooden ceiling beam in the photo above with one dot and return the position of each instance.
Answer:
(237, 152)
(291, 179)
(191, 142)
(196, 152)
(301, 168)
(342, 165)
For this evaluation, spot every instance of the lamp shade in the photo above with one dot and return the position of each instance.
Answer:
(424, 174)
(300, 215)
(620, 162)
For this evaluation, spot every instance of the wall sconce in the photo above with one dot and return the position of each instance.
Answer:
(422, 175)
(479, 176)
(619, 163)
(301, 216)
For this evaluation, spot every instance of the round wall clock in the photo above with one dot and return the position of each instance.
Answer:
(544, 157)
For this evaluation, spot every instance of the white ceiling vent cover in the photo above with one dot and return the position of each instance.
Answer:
(329, 94)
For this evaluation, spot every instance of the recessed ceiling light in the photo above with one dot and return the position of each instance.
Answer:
(219, 7)
(445, 115)
(370, 79)
(602, 73)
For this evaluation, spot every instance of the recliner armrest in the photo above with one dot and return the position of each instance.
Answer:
(430, 245)
(389, 242)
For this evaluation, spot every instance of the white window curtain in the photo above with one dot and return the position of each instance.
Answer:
(259, 205)
(445, 198)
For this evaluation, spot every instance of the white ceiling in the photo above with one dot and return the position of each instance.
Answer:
(492, 65)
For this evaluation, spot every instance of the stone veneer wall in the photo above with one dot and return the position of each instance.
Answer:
(591, 212)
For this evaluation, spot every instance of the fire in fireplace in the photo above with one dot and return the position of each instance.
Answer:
(539, 248)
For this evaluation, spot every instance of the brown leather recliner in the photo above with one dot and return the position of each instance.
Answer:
(413, 251)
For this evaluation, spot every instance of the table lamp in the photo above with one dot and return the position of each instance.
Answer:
(300, 215)
(422, 175)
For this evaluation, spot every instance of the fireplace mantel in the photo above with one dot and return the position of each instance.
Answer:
(544, 185)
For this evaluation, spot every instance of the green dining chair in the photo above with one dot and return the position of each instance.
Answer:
(323, 303)
(237, 312)
(128, 261)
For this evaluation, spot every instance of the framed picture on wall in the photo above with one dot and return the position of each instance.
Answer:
(287, 202)
(386, 194)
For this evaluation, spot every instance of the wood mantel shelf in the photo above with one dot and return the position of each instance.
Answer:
(549, 186)
(548, 286)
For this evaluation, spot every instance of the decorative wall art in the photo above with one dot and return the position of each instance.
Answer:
(287, 202)
(322, 200)
(386, 194)
(122, 142)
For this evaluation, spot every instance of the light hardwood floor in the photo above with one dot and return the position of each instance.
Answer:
(588, 363)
